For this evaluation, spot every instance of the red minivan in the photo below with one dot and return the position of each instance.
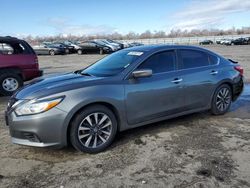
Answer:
(18, 63)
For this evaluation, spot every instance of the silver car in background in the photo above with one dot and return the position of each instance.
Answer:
(127, 89)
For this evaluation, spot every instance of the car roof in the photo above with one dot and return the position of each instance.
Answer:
(152, 48)
(9, 39)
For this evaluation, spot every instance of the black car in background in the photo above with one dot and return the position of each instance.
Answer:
(239, 41)
(206, 42)
(68, 49)
(93, 47)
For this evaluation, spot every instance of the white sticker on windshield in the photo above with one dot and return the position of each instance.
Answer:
(135, 53)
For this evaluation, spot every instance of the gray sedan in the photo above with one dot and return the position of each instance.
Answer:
(46, 50)
(126, 89)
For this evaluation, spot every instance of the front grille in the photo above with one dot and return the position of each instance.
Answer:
(25, 135)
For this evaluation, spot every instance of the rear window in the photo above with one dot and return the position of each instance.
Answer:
(213, 59)
(14, 48)
(193, 59)
(6, 49)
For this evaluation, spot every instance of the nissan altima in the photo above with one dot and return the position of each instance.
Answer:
(127, 89)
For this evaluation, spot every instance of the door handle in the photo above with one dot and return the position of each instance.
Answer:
(214, 72)
(176, 81)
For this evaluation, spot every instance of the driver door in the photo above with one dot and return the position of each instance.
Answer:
(157, 96)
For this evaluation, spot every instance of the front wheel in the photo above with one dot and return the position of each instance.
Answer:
(222, 100)
(93, 129)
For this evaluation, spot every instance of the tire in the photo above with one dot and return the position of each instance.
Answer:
(52, 52)
(222, 100)
(15, 82)
(101, 51)
(91, 139)
(79, 52)
(66, 51)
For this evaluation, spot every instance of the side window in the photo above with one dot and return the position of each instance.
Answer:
(213, 59)
(193, 59)
(6, 49)
(160, 62)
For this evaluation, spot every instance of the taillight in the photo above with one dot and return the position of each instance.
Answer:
(36, 63)
(36, 59)
(239, 69)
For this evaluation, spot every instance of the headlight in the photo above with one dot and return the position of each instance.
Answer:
(37, 106)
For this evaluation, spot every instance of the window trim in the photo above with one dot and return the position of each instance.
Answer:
(180, 62)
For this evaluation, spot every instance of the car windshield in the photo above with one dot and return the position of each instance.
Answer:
(112, 64)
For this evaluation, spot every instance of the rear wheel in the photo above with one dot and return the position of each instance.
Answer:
(79, 52)
(93, 129)
(9, 83)
(222, 100)
(52, 52)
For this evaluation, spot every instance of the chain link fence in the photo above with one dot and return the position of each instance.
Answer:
(185, 40)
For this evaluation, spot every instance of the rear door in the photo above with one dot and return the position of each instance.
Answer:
(199, 77)
(156, 96)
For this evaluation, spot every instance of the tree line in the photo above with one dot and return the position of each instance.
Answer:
(145, 35)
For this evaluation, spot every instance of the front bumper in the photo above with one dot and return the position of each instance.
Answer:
(40, 130)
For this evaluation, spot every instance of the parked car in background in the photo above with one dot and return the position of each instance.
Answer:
(67, 49)
(74, 45)
(205, 42)
(135, 44)
(114, 45)
(125, 44)
(124, 90)
(239, 41)
(48, 50)
(93, 47)
(226, 42)
(18, 63)
(247, 40)
(218, 41)
(116, 42)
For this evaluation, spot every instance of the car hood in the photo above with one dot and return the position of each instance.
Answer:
(46, 86)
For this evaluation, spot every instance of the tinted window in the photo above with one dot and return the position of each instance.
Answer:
(160, 62)
(6, 49)
(213, 59)
(192, 59)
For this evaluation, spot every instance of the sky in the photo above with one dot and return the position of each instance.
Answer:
(90, 17)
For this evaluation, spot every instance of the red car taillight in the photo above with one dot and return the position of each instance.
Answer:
(239, 69)
(36, 59)
(36, 62)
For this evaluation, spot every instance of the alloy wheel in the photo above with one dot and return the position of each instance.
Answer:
(95, 130)
(223, 99)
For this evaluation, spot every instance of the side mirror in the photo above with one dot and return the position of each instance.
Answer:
(142, 73)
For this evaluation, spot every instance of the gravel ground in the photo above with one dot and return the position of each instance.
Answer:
(197, 150)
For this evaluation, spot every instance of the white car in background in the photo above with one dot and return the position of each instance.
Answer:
(226, 41)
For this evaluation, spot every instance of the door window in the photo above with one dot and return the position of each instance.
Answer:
(160, 62)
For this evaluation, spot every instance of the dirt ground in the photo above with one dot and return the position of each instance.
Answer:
(197, 150)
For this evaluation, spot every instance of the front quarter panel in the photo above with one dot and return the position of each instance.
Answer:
(77, 99)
